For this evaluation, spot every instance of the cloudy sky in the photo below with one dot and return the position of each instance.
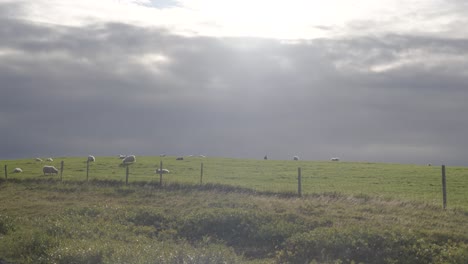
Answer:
(363, 80)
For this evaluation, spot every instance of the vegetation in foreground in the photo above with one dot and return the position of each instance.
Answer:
(47, 221)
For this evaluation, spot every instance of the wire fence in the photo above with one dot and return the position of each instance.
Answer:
(387, 181)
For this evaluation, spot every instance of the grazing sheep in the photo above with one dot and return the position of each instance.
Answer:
(335, 159)
(17, 170)
(38, 159)
(122, 156)
(180, 158)
(49, 170)
(49, 159)
(129, 159)
(163, 171)
(295, 158)
(91, 158)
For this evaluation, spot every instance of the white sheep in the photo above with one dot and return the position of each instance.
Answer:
(17, 170)
(129, 159)
(295, 158)
(49, 170)
(335, 159)
(202, 156)
(49, 159)
(163, 171)
(38, 159)
(91, 158)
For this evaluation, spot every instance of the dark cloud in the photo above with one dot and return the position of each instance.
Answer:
(107, 89)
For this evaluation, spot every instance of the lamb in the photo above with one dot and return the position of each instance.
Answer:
(335, 159)
(129, 159)
(38, 159)
(163, 171)
(49, 159)
(91, 158)
(49, 170)
(17, 170)
(295, 158)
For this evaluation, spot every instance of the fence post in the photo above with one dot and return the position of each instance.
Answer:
(126, 174)
(87, 170)
(444, 188)
(61, 170)
(6, 172)
(201, 174)
(299, 182)
(160, 173)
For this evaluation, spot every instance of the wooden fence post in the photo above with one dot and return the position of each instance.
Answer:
(201, 174)
(6, 172)
(299, 182)
(61, 170)
(444, 188)
(126, 174)
(87, 170)
(160, 173)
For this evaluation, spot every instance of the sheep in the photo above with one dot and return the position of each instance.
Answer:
(38, 159)
(162, 155)
(202, 156)
(180, 158)
(49, 170)
(163, 171)
(295, 158)
(17, 170)
(49, 159)
(129, 159)
(91, 158)
(335, 159)
(266, 157)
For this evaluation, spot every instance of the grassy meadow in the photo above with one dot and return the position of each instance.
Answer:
(246, 211)
(392, 181)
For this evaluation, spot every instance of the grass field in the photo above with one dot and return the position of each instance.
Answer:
(246, 211)
(392, 181)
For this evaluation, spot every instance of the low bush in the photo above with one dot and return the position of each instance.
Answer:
(6, 224)
(331, 245)
(29, 246)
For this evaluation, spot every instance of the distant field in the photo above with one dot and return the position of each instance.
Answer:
(387, 181)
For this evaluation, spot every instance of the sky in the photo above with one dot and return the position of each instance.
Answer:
(364, 80)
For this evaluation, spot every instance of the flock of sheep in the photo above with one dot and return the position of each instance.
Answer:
(47, 169)
(126, 160)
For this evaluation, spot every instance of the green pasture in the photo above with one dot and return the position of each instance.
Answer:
(405, 182)
(245, 211)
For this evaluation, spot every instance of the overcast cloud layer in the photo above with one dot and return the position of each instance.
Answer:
(107, 88)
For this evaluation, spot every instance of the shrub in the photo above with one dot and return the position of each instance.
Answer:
(31, 246)
(326, 245)
(6, 224)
